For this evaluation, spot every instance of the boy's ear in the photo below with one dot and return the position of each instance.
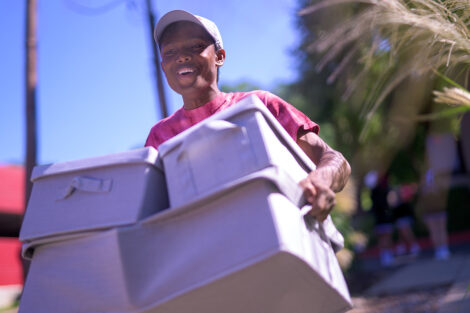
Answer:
(220, 57)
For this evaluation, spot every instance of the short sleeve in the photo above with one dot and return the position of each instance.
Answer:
(161, 132)
(288, 116)
(166, 129)
(152, 141)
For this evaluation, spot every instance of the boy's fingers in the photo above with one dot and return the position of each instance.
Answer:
(310, 191)
(323, 204)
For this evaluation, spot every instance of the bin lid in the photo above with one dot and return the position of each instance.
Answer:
(250, 103)
(147, 155)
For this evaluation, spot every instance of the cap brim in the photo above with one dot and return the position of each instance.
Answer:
(171, 17)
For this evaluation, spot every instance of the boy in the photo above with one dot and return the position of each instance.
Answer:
(192, 52)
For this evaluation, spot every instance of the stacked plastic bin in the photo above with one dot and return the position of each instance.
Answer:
(235, 238)
(71, 227)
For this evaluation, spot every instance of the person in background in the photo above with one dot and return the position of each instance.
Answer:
(400, 199)
(192, 53)
(433, 203)
(383, 216)
(441, 161)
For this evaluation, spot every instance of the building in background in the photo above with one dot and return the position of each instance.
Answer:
(11, 204)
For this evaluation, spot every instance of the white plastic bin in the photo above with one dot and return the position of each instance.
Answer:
(246, 249)
(94, 193)
(228, 145)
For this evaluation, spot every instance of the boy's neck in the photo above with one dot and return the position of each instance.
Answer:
(195, 100)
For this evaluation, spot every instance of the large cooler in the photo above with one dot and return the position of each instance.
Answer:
(228, 145)
(246, 248)
(94, 193)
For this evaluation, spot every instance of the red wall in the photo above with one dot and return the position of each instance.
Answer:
(11, 201)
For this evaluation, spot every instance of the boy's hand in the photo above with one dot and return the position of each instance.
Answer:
(318, 193)
(330, 176)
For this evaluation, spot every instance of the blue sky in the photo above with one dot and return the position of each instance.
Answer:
(96, 90)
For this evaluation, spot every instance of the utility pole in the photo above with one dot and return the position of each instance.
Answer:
(30, 109)
(156, 59)
(31, 85)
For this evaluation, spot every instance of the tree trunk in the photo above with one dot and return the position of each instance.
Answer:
(156, 59)
(31, 84)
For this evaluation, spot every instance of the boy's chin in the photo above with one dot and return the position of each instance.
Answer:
(192, 89)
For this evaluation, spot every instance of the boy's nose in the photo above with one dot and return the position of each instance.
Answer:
(182, 58)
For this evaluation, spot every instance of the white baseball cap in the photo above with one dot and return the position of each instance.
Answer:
(180, 15)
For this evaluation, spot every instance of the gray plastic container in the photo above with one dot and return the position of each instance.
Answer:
(238, 141)
(94, 193)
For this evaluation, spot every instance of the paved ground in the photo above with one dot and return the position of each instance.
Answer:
(420, 285)
(422, 275)
(427, 301)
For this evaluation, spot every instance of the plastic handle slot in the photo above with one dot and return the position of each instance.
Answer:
(313, 224)
(87, 184)
(326, 229)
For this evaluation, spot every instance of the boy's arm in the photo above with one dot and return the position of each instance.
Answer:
(330, 176)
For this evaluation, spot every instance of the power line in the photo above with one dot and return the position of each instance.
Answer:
(94, 10)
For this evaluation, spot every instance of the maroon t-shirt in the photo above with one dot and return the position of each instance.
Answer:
(288, 116)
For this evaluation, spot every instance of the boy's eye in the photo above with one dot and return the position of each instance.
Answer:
(169, 53)
(198, 46)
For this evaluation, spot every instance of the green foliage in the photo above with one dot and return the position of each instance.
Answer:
(415, 36)
(405, 167)
(380, 55)
(342, 222)
(242, 86)
(366, 200)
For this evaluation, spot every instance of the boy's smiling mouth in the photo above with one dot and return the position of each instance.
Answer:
(185, 71)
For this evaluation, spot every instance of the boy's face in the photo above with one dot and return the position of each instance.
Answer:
(189, 59)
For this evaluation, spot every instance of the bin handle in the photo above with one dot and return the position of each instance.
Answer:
(313, 224)
(87, 184)
(325, 229)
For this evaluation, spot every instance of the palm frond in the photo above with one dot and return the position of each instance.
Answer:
(421, 36)
(453, 96)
